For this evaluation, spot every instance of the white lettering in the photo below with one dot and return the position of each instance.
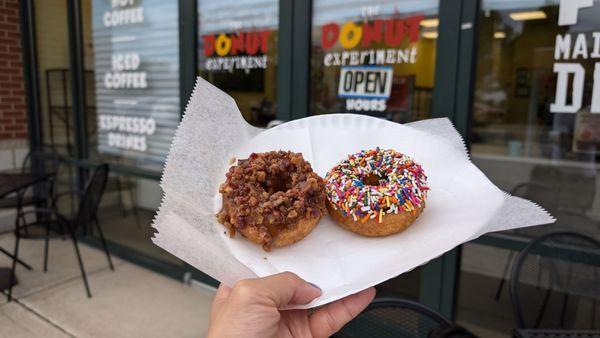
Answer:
(596, 90)
(563, 70)
(580, 47)
(596, 50)
(562, 46)
(121, 17)
(568, 10)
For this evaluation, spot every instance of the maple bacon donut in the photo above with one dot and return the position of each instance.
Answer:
(273, 199)
(376, 192)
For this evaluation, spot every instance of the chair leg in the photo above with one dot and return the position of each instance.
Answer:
(538, 320)
(110, 263)
(46, 245)
(85, 281)
(504, 275)
(13, 269)
(21, 216)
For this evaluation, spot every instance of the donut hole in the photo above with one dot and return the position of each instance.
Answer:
(277, 182)
(373, 180)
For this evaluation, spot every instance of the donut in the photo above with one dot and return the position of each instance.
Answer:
(376, 192)
(273, 199)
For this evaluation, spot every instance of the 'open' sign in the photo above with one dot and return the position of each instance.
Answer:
(365, 82)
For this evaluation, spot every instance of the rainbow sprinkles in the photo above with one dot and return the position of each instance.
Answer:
(373, 183)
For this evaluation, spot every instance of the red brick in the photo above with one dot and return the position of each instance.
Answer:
(21, 120)
(5, 121)
(18, 127)
(8, 11)
(13, 19)
(17, 79)
(18, 92)
(10, 85)
(9, 70)
(20, 106)
(6, 135)
(16, 64)
(12, 35)
(12, 114)
(9, 56)
(10, 99)
(9, 41)
(10, 27)
(21, 134)
(15, 47)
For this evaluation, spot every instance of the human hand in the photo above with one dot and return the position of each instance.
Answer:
(251, 309)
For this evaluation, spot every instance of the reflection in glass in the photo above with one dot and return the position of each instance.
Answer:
(52, 46)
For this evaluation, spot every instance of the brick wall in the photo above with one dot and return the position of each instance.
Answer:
(13, 116)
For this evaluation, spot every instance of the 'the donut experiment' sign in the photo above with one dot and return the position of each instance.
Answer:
(569, 50)
(238, 50)
(136, 65)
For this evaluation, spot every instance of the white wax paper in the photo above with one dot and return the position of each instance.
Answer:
(462, 203)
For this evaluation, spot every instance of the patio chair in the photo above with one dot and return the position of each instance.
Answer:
(86, 214)
(30, 199)
(555, 283)
(392, 317)
(567, 193)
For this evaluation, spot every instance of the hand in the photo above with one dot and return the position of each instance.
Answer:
(251, 309)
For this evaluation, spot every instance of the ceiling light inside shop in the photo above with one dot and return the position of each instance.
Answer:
(430, 22)
(499, 35)
(531, 15)
(430, 35)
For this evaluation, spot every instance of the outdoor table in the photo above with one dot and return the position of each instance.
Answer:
(549, 333)
(12, 183)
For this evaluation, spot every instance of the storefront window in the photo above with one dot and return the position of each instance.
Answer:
(131, 51)
(237, 49)
(535, 134)
(376, 58)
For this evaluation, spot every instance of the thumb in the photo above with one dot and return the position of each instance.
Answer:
(287, 288)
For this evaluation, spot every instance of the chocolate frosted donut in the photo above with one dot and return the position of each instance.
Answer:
(273, 199)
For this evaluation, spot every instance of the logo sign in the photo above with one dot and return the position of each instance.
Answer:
(365, 82)
(235, 51)
(376, 42)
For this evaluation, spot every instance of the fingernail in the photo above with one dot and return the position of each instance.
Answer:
(315, 285)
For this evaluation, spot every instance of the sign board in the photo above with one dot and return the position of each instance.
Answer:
(136, 64)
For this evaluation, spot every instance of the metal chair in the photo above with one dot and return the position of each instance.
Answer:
(86, 214)
(391, 317)
(555, 283)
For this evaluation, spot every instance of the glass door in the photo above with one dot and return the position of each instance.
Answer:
(536, 134)
(358, 44)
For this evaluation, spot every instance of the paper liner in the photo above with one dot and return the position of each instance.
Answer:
(462, 203)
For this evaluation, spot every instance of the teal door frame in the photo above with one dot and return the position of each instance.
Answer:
(452, 98)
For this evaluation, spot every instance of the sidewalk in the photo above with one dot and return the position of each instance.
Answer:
(128, 302)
